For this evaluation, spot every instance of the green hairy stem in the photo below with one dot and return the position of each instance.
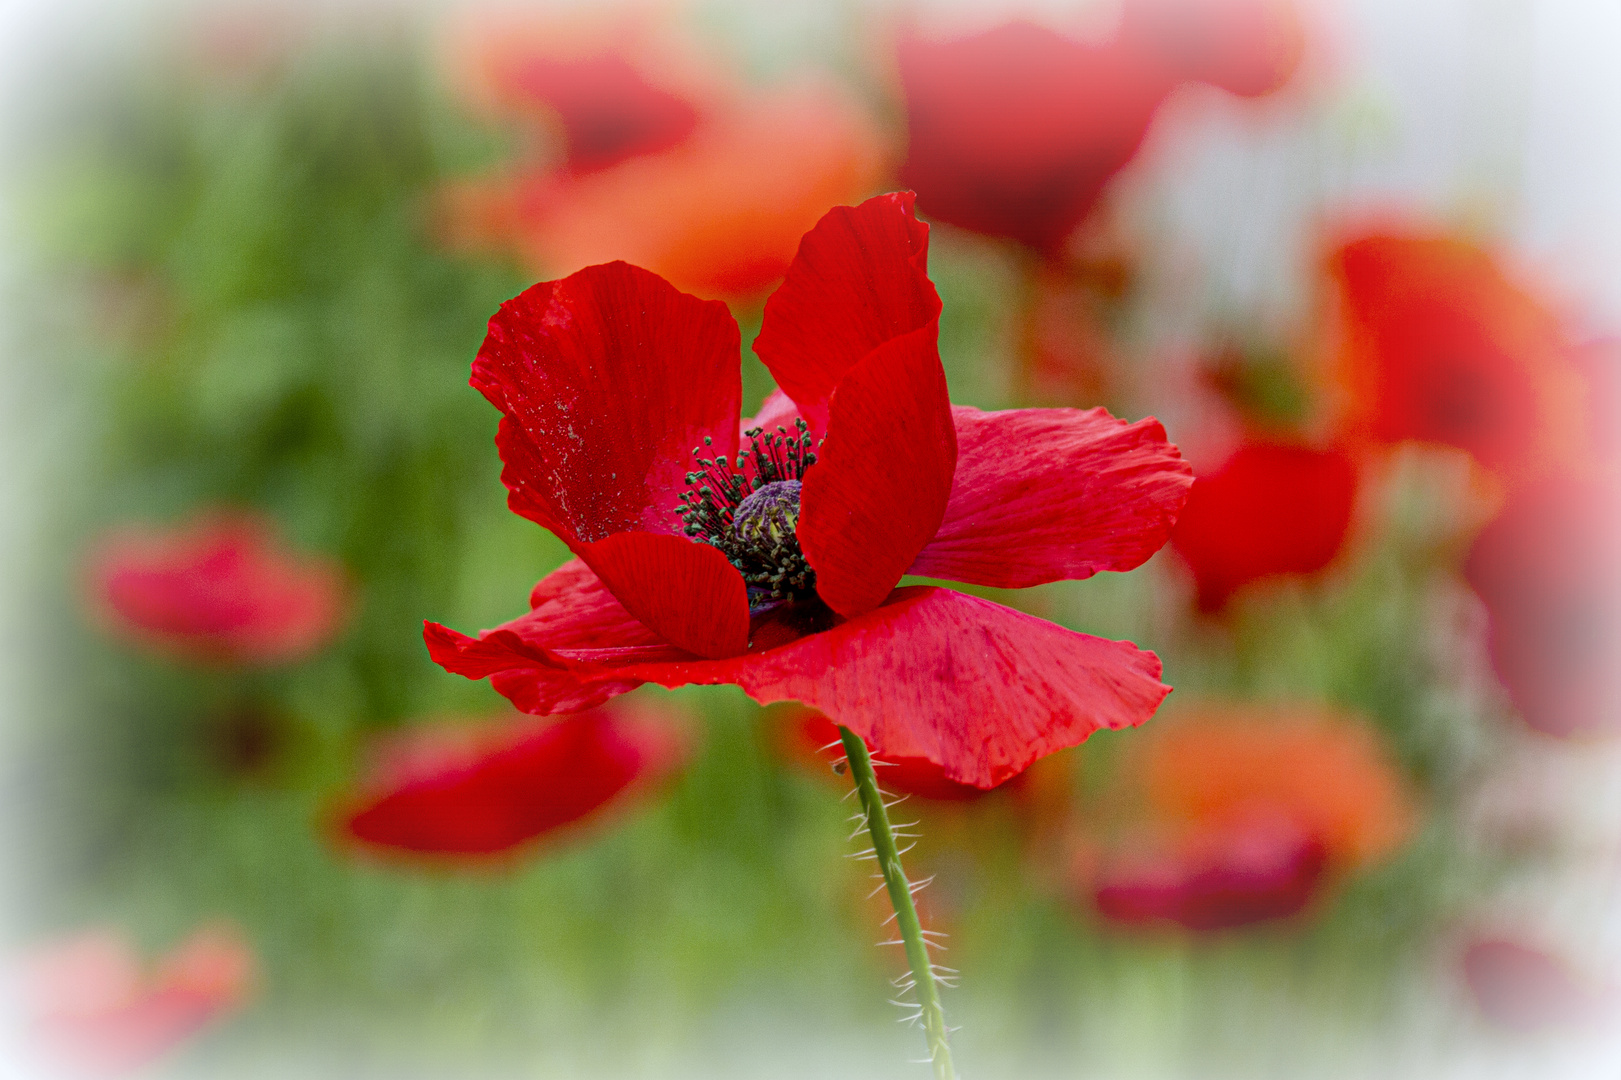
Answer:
(923, 980)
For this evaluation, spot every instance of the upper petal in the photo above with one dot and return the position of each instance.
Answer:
(879, 489)
(1048, 494)
(607, 380)
(860, 279)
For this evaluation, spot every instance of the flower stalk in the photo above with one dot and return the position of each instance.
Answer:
(923, 979)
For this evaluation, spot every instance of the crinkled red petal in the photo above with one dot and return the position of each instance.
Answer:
(977, 688)
(607, 380)
(860, 279)
(1051, 494)
(684, 591)
(879, 489)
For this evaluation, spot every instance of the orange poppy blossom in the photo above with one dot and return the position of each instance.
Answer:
(710, 186)
(1438, 343)
(1247, 813)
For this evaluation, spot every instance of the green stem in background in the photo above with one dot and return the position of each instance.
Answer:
(900, 897)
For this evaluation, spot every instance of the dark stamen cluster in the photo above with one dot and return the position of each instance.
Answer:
(751, 518)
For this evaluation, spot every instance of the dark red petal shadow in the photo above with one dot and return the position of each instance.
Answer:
(607, 380)
(880, 488)
(1051, 494)
(860, 279)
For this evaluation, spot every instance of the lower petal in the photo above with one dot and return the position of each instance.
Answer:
(978, 689)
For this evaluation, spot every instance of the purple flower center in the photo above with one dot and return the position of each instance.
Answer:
(752, 518)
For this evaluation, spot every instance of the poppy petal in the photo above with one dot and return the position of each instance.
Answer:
(607, 380)
(860, 279)
(528, 660)
(880, 487)
(220, 589)
(1051, 494)
(977, 688)
(684, 591)
(458, 789)
(1271, 508)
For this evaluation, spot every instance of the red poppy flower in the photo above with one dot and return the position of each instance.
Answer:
(1247, 811)
(219, 589)
(90, 1010)
(1524, 988)
(1232, 876)
(1272, 507)
(774, 563)
(613, 85)
(458, 789)
(608, 111)
(1014, 131)
(1546, 570)
(1439, 345)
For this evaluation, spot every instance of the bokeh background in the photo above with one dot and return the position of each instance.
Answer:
(1362, 258)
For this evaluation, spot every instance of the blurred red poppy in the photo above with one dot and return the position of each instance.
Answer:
(612, 84)
(1232, 875)
(608, 110)
(486, 789)
(1246, 812)
(1547, 569)
(1273, 507)
(774, 563)
(219, 589)
(720, 215)
(1014, 131)
(1439, 345)
(89, 1009)
(1524, 988)
(707, 184)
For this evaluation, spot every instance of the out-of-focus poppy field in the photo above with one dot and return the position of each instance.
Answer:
(489, 487)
